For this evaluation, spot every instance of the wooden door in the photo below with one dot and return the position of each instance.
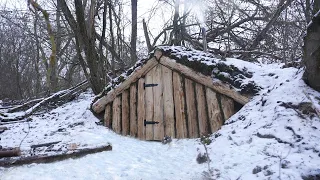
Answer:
(154, 121)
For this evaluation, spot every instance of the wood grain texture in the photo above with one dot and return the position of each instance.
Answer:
(125, 112)
(108, 116)
(214, 113)
(179, 103)
(205, 80)
(133, 110)
(158, 129)
(149, 104)
(201, 108)
(141, 109)
(193, 129)
(168, 104)
(116, 114)
(227, 106)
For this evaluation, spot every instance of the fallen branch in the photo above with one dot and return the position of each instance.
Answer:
(44, 144)
(53, 158)
(52, 101)
(24, 106)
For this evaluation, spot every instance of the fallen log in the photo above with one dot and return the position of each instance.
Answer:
(52, 158)
(44, 144)
(24, 106)
(10, 152)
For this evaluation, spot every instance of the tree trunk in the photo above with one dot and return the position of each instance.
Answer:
(176, 29)
(311, 55)
(85, 39)
(134, 31)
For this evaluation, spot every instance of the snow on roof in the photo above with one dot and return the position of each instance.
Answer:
(235, 74)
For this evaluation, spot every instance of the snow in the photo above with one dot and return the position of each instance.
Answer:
(264, 140)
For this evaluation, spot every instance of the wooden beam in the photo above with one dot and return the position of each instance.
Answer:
(201, 108)
(179, 104)
(149, 104)
(133, 110)
(214, 113)
(191, 109)
(158, 129)
(100, 104)
(168, 105)
(125, 113)
(116, 114)
(227, 107)
(141, 109)
(108, 116)
(205, 80)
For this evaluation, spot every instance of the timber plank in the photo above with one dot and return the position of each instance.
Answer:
(158, 129)
(108, 116)
(168, 104)
(133, 110)
(201, 108)
(141, 109)
(181, 127)
(191, 109)
(227, 107)
(149, 104)
(116, 114)
(125, 112)
(214, 113)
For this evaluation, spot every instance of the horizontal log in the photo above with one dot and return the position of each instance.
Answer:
(205, 80)
(100, 104)
(53, 158)
(10, 153)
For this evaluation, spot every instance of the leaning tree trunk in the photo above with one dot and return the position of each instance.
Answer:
(85, 36)
(311, 54)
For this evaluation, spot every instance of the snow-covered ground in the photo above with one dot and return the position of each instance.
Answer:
(264, 140)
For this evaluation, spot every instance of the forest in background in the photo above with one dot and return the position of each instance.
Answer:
(54, 45)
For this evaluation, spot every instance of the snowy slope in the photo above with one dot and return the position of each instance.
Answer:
(264, 140)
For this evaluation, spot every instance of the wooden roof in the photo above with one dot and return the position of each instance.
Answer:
(198, 66)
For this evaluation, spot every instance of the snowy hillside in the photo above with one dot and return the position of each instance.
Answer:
(275, 136)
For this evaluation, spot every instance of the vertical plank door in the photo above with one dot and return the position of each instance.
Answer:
(149, 104)
(158, 129)
(141, 109)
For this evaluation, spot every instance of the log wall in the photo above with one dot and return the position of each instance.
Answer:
(182, 107)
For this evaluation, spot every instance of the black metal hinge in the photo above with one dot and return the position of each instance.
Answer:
(150, 122)
(149, 85)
